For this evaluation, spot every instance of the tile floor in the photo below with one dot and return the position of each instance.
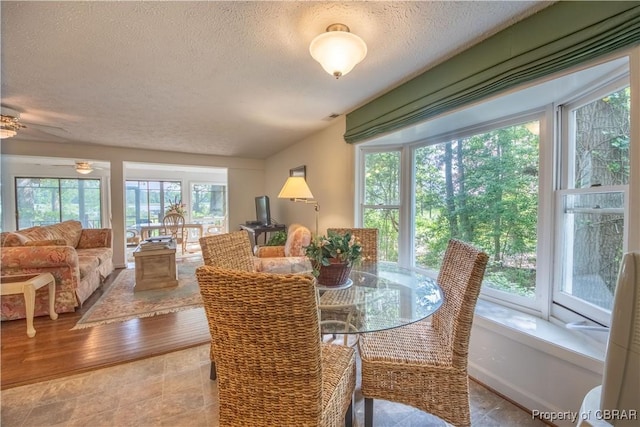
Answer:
(175, 390)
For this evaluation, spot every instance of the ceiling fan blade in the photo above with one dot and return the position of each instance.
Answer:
(44, 128)
(28, 127)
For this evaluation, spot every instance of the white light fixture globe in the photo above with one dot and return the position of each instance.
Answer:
(83, 168)
(338, 50)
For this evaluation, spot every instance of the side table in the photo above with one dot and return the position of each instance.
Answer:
(27, 285)
(256, 230)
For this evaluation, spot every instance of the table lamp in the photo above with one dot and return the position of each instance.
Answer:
(296, 189)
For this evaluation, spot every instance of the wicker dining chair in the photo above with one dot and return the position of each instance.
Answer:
(228, 250)
(424, 364)
(339, 306)
(368, 238)
(173, 225)
(273, 369)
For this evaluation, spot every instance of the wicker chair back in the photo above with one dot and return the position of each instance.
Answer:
(424, 364)
(368, 238)
(229, 250)
(266, 338)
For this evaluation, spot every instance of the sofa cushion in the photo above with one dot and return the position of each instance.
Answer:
(298, 237)
(87, 265)
(270, 251)
(69, 231)
(283, 265)
(38, 233)
(101, 254)
(10, 239)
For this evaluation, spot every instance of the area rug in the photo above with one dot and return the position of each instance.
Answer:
(120, 303)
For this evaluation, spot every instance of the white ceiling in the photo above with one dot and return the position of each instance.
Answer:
(222, 78)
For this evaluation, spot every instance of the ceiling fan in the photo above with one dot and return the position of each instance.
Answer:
(11, 124)
(83, 167)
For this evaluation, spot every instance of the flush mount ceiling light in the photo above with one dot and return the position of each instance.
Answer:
(338, 50)
(83, 167)
(9, 123)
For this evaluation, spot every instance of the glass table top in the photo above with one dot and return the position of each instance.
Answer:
(382, 296)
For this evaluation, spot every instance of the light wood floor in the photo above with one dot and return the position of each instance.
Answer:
(57, 351)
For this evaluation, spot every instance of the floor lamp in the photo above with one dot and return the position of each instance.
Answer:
(296, 189)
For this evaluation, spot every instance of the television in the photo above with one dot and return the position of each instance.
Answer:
(263, 213)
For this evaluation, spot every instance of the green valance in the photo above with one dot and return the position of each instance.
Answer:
(554, 39)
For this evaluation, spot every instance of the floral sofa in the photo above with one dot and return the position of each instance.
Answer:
(79, 259)
(289, 258)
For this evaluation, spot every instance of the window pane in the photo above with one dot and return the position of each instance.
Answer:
(70, 200)
(386, 221)
(483, 190)
(382, 178)
(147, 201)
(208, 201)
(381, 208)
(602, 141)
(172, 195)
(593, 226)
(43, 201)
(90, 206)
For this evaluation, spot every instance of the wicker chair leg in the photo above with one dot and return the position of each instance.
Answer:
(348, 417)
(368, 412)
(212, 374)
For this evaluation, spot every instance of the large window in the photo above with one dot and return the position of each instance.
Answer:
(42, 201)
(538, 179)
(482, 189)
(147, 201)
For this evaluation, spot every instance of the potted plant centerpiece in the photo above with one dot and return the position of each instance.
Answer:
(176, 207)
(332, 257)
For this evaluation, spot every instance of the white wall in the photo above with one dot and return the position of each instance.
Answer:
(330, 175)
(246, 178)
(549, 372)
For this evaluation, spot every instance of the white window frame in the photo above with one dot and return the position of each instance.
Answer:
(551, 174)
(360, 193)
(564, 306)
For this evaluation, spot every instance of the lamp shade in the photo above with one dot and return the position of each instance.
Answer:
(338, 50)
(295, 188)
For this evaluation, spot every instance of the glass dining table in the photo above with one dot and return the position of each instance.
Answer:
(378, 296)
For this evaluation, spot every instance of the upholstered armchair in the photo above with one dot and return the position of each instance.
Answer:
(289, 258)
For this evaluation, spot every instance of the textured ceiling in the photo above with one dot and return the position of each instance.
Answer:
(223, 78)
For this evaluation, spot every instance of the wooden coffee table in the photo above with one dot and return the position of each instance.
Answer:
(155, 269)
(27, 285)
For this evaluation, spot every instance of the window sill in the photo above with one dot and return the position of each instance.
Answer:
(540, 334)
